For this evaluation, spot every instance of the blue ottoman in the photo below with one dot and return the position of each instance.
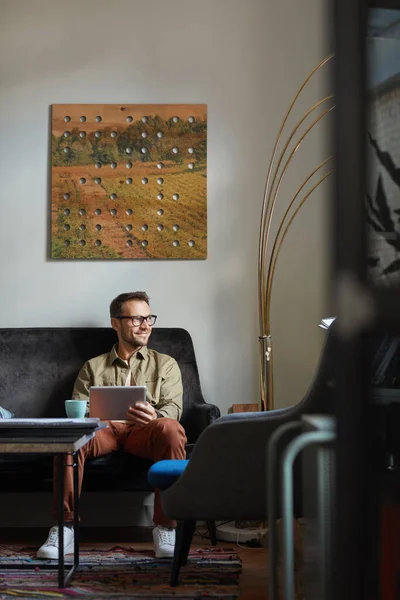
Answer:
(164, 473)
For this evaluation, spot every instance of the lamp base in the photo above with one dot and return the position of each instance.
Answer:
(230, 533)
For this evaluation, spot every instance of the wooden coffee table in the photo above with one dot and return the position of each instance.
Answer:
(56, 437)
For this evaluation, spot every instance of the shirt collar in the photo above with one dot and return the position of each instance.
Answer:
(113, 355)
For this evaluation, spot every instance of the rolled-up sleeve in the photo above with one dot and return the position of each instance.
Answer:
(83, 383)
(171, 392)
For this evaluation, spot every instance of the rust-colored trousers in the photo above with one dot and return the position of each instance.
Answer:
(161, 439)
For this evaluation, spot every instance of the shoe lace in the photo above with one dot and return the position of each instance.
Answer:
(52, 540)
(165, 536)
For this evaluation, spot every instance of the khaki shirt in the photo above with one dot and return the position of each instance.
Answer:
(160, 374)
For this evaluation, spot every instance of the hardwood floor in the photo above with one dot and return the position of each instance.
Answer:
(253, 580)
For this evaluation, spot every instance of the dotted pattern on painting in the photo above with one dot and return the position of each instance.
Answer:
(129, 181)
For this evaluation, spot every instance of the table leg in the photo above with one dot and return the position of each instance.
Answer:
(67, 578)
(60, 468)
(64, 579)
(76, 511)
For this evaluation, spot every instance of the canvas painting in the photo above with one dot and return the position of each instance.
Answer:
(129, 181)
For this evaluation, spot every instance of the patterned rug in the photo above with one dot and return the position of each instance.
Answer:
(121, 573)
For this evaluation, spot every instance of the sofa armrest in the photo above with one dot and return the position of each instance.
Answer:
(198, 417)
(205, 414)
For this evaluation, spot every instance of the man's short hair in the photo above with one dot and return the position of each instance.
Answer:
(118, 302)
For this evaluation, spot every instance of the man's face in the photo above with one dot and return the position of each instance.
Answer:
(135, 335)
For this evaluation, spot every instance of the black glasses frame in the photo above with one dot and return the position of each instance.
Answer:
(150, 320)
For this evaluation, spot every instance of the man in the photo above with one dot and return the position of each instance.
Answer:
(151, 430)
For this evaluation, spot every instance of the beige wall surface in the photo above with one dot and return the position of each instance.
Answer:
(245, 59)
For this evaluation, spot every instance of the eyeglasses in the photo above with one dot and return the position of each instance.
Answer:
(137, 320)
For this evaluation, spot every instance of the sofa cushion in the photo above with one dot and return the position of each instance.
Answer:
(115, 471)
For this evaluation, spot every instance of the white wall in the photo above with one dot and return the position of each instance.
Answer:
(245, 59)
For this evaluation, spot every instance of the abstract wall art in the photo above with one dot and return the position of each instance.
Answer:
(129, 181)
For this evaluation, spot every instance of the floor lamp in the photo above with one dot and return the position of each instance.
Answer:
(269, 246)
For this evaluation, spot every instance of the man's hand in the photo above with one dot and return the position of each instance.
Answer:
(141, 414)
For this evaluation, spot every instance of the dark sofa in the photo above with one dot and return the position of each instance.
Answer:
(38, 368)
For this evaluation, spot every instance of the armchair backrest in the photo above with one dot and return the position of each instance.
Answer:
(319, 398)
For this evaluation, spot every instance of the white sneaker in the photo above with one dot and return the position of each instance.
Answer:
(49, 550)
(164, 542)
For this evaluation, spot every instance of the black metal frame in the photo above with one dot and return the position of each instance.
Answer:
(349, 259)
(63, 578)
(356, 543)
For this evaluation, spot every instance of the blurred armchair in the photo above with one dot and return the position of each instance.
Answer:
(225, 478)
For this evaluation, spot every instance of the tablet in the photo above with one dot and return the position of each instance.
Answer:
(111, 402)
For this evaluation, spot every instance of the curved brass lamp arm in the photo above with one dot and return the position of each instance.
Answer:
(269, 290)
(304, 117)
(269, 210)
(264, 208)
(281, 225)
(292, 153)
